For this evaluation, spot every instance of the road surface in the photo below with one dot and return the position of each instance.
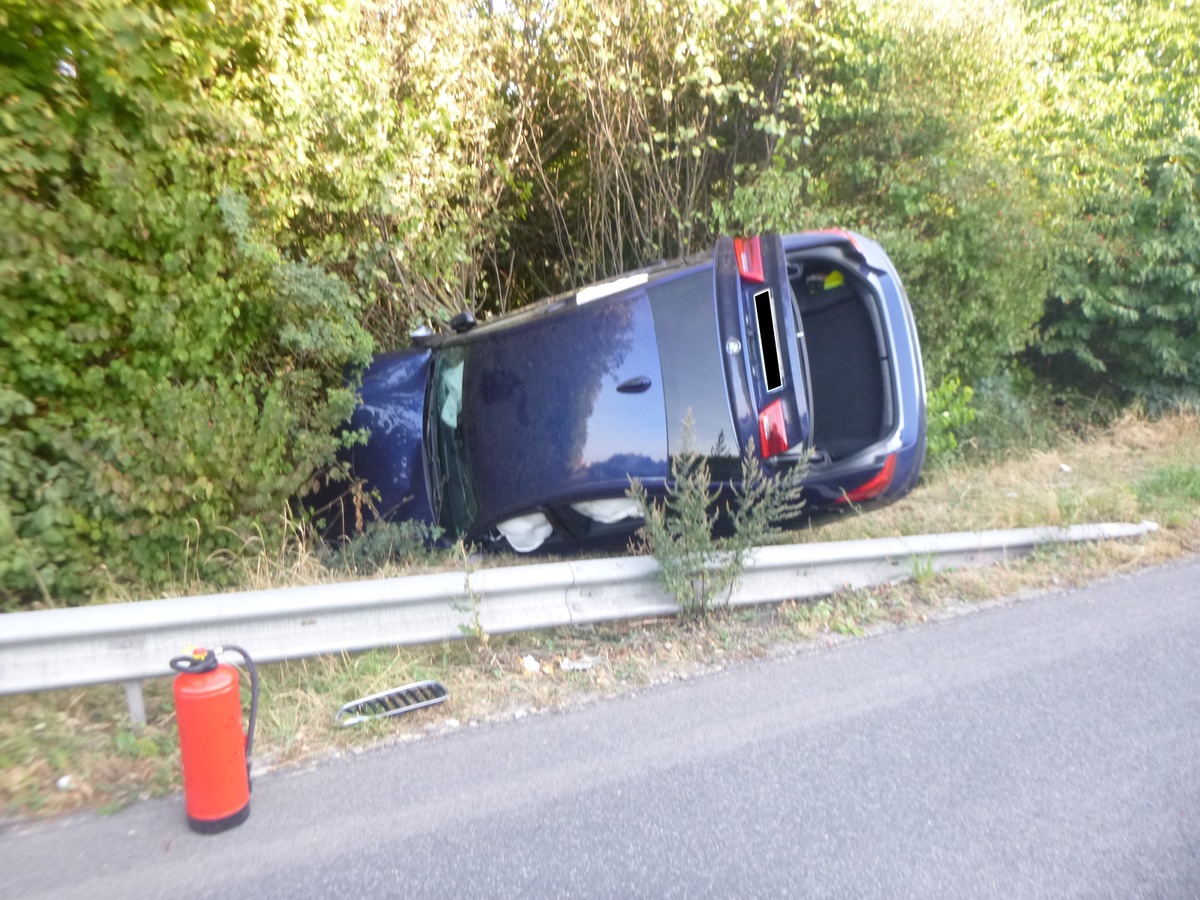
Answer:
(1046, 748)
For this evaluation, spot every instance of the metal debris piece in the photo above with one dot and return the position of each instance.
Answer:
(395, 702)
(578, 665)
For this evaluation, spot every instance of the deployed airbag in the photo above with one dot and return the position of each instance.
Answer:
(526, 533)
(608, 512)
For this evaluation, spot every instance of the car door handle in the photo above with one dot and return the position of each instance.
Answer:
(634, 385)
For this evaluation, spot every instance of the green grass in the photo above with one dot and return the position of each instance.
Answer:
(1171, 492)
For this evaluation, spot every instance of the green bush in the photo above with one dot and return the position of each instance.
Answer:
(950, 415)
(170, 375)
(1127, 291)
(1119, 128)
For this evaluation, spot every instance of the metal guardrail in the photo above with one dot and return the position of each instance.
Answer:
(126, 642)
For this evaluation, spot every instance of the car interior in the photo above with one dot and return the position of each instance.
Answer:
(852, 405)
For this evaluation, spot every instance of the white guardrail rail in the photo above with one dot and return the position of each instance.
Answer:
(126, 642)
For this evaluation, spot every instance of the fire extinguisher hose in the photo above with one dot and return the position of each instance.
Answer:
(253, 700)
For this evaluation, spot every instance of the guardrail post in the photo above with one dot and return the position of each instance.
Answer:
(136, 703)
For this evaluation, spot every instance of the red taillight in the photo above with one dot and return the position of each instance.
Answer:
(848, 237)
(873, 488)
(772, 430)
(749, 258)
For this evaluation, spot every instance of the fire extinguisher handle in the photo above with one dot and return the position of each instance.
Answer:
(253, 699)
(194, 663)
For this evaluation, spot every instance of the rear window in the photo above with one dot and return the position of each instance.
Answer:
(689, 346)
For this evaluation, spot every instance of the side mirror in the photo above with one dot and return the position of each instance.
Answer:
(421, 337)
(463, 322)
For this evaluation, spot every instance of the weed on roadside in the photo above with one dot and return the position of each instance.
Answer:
(702, 542)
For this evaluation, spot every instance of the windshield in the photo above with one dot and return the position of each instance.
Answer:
(454, 502)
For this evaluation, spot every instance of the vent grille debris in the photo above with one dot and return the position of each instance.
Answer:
(395, 702)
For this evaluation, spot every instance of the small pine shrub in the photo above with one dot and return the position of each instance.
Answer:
(699, 566)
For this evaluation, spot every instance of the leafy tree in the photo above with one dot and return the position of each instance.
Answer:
(1119, 125)
(913, 146)
(635, 117)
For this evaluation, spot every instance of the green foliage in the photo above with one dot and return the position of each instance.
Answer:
(1127, 301)
(1120, 136)
(763, 501)
(950, 415)
(913, 147)
(1171, 493)
(171, 375)
(1172, 481)
(693, 567)
(698, 566)
(638, 116)
(429, 240)
(1016, 413)
(1009, 412)
(382, 545)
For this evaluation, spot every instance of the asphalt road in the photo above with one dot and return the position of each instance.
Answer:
(1047, 748)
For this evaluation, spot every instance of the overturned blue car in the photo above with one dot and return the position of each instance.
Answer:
(523, 432)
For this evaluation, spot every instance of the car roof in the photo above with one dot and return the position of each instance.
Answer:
(544, 416)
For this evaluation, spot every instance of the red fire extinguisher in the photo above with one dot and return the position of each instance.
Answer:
(216, 755)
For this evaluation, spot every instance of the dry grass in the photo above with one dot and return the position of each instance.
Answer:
(1136, 469)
